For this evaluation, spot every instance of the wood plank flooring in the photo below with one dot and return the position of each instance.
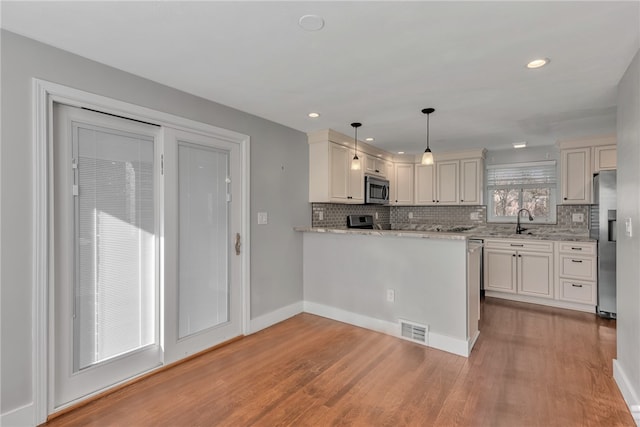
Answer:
(531, 366)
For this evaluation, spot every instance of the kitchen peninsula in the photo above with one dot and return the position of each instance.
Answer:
(396, 282)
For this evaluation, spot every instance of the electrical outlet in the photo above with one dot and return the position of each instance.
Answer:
(262, 218)
(628, 227)
(391, 295)
(577, 217)
(320, 215)
(410, 215)
(474, 216)
(376, 215)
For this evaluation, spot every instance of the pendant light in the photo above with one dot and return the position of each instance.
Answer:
(355, 162)
(427, 157)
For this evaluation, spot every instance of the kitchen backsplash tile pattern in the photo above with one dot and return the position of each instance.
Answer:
(441, 215)
(335, 215)
(564, 216)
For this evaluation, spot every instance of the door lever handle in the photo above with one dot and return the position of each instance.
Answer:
(237, 243)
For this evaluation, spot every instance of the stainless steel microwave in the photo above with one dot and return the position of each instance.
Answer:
(376, 190)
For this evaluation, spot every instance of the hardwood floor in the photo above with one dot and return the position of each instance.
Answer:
(531, 366)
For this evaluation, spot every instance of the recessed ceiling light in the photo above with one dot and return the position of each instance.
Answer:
(369, 139)
(537, 63)
(400, 152)
(520, 144)
(311, 22)
(313, 115)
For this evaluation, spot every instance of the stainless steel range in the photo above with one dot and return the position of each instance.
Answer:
(360, 221)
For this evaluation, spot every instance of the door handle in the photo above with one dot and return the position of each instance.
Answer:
(237, 243)
(576, 260)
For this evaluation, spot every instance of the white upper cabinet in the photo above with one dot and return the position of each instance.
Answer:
(604, 158)
(456, 178)
(447, 182)
(576, 176)
(403, 184)
(331, 179)
(471, 182)
(375, 166)
(579, 160)
(425, 189)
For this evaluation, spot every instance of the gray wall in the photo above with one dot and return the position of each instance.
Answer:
(628, 248)
(279, 185)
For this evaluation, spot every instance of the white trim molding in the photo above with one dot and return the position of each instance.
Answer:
(274, 317)
(630, 395)
(19, 417)
(441, 342)
(44, 95)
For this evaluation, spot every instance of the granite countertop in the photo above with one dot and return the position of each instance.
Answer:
(462, 232)
(397, 233)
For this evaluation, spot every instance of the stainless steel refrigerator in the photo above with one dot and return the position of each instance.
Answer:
(603, 228)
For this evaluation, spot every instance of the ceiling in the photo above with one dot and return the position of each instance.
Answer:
(379, 63)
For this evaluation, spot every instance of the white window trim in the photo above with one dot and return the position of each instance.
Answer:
(550, 219)
(44, 95)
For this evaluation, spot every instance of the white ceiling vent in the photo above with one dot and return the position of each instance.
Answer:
(414, 331)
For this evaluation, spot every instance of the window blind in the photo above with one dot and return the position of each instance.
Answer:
(522, 175)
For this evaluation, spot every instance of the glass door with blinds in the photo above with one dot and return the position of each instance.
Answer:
(203, 293)
(105, 252)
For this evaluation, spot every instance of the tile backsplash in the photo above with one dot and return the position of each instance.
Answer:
(335, 215)
(441, 215)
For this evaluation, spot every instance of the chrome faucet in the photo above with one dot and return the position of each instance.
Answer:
(519, 228)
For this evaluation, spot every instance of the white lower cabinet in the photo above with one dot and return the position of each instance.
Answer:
(517, 267)
(561, 274)
(577, 271)
(535, 274)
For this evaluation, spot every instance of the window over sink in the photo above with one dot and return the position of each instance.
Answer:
(511, 187)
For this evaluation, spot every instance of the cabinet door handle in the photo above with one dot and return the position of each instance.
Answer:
(433, 201)
(576, 286)
(520, 246)
(519, 256)
(565, 198)
(576, 249)
(237, 244)
(513, 255)
(349, 197)
(576, 260)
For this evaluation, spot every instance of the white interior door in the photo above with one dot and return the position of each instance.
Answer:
(203, 292)
(105, 252)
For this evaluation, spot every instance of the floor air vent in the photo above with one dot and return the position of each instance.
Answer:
(414, 331)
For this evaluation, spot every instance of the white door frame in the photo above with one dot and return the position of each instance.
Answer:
(44, 95)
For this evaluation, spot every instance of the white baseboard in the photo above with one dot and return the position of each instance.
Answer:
(542, 301)
(435, 340)
(629, 394)
(20, 417)
(276, 316)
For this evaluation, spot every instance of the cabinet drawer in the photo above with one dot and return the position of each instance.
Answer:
(519, 245)
(578, 267)
(581, 292)
(577, 248)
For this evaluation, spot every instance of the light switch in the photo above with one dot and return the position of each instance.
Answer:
(627, 227)
(262, 218)
(410, 215)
